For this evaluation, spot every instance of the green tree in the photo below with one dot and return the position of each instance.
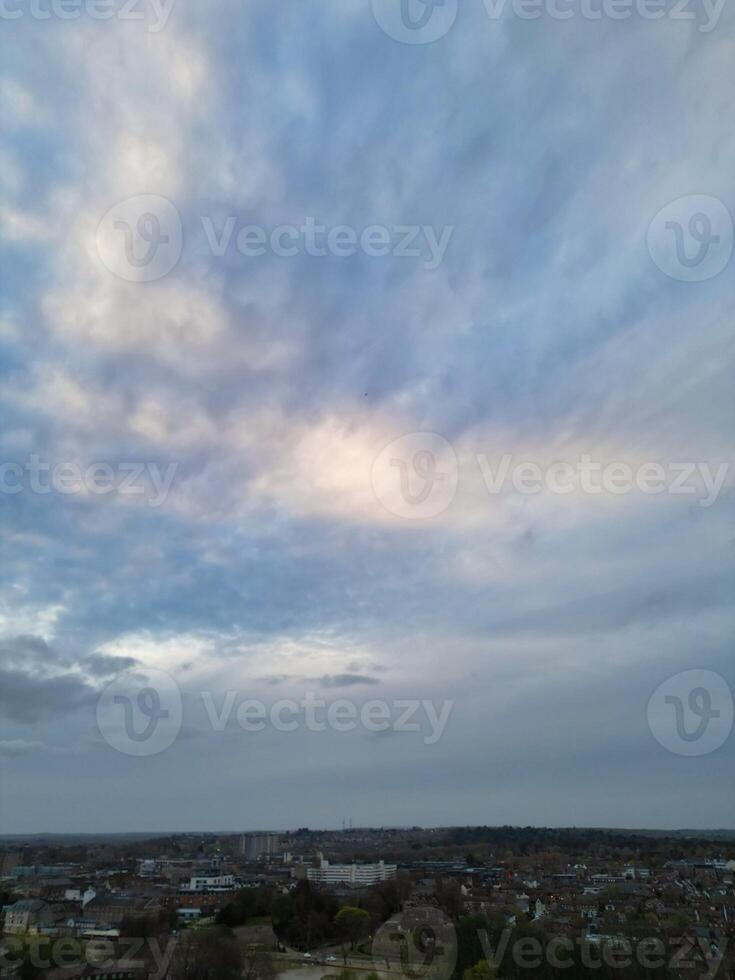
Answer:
(469, 945)
(480, 971)
(352, 924)
(305, 917)
(208, 954)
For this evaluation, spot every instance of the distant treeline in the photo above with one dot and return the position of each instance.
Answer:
(529, 840)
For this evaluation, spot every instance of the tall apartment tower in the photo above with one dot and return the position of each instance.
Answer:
(253, 847)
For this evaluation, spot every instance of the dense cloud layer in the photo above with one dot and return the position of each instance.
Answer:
(238, 405)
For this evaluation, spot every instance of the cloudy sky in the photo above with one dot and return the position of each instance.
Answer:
(256, 464)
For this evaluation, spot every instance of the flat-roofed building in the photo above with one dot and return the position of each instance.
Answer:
(255, 846)
(355, 875)
(210, 883)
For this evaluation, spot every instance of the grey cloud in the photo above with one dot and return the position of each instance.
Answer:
(326, 681)
(30, 652)
(28, 699)
(346, 680)
(359, 666)
(100, 665)
(621, 608)
(274, 680)
(18, 747)
(38, 682)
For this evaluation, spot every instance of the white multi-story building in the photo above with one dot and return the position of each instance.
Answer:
(83, 895)
(356, 875)
(210, 883)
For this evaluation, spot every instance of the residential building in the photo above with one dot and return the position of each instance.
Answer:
(355, 875)
(255, 846)
(27, 915)
(10, 862)
(210, 883)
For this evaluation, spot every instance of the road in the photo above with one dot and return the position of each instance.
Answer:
(318, 960)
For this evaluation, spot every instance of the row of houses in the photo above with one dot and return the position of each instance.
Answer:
(687, 897)
(102, 914)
